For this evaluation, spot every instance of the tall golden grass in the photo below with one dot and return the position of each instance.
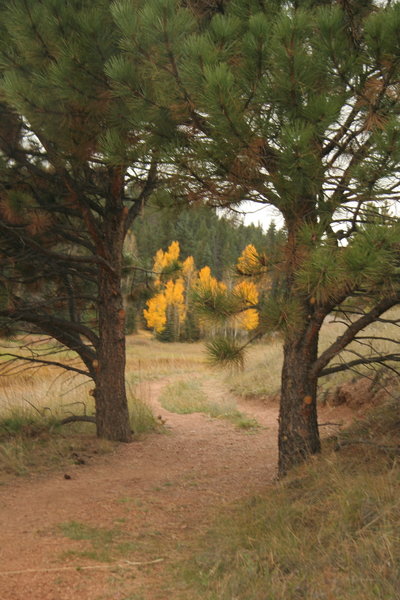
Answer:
(262, 372)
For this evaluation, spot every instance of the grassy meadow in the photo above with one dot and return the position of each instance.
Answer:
(261, 375)
(33, 400)
(330, 530)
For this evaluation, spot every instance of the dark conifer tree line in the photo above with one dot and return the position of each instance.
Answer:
(213, 240)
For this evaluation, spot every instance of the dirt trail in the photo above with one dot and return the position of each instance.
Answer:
(162, 491)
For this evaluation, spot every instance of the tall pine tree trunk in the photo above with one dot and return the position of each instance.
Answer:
(112, 416)
(298, 426)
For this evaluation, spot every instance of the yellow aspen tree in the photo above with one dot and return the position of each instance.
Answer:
(249, 320)
(188, 273)
(176, 309)
(209, 283)
(188, 270)
(252, 264)
(174, 295)
(238, 303)
(249, 261)
(209, 292)
(168, 309)
(156, 312)
(163, 260)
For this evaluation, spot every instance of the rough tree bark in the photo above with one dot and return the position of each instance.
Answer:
(112, 416)
(298, 426)
(298, 422)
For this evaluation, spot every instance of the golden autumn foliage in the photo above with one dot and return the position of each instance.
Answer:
(188, 268)
(170, 306)
(156, 312)
(248, 293)
(174, 295)
(209, 283)
(248, 320)
(244, 294)
(252, 263)
(249, 261)
(170, 299)
(163, 260)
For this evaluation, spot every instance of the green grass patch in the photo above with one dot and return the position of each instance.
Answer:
(141, 416)
(329, 530)
(105, 545)
(186, 397)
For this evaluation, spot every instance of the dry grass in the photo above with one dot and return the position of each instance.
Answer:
(149, 359)
(260, 377)
(330, 530)
(332, 330)
(33, 401)
(262, 371)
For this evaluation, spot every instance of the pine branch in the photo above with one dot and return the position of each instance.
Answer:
(56, 256)
(360, 361)
(345, 339)
(197, 119)
(374, 338)
(225, 352)
(78, 419)
(146, 192)
(56, 327)
(43, 361)
(383, 447)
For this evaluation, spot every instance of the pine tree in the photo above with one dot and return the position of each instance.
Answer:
(296, 105)
(74, 174)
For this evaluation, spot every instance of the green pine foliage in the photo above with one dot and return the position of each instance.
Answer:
(225, 351)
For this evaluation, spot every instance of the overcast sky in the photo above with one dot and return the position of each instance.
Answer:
(259, 213)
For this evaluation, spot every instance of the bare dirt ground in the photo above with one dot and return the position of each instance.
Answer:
(162, 492)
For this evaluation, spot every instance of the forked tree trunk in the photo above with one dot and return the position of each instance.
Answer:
(112, 416)
(298, 426)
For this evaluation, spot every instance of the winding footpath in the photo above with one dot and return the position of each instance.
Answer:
(159, 493)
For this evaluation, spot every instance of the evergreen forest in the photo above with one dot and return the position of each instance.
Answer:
(214, 240)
